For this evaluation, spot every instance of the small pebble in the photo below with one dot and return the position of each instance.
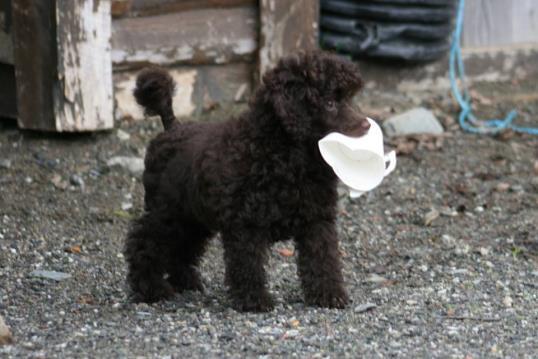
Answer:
(57, 276)
(375, 278)
(125, 206)
(431, 216)
(364, 307)
(448, 240)
(5, 164)
(135, 165)
(76, 180)
(5, 333)
(122, 135)
(292, 333)
(502, 187)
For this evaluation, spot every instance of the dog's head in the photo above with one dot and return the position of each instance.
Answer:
(311, 95)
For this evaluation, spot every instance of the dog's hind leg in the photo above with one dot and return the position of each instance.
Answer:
(186, 249)
(245, 254)
(144, 248)
(319, 266)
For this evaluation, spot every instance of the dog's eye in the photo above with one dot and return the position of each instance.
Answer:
(330, 105)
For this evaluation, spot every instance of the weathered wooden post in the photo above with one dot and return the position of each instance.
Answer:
(8, 106)
(286, 26)
(63, 64)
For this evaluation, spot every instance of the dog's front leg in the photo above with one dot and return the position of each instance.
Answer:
(319, 266)
(245, 254)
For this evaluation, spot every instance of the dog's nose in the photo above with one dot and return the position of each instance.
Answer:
(365, 125)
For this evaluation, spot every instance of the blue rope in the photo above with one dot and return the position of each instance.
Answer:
(467, 119)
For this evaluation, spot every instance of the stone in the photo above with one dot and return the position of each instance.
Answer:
(126, 206)
(4, 163)
(122, 135)
(430, 217)
(5, 334)
(58, 182)
(47, 274)
(416, 121)
(507, 301)
(135, 165)
(364, 307)
(375, 278)
(76, 180)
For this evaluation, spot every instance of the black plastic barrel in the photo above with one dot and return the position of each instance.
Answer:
(412, 30)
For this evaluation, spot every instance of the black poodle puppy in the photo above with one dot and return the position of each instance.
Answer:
(256, 179)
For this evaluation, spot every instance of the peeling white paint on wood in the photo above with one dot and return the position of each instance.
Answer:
(84, 100)
(163, 56)
(126, 105)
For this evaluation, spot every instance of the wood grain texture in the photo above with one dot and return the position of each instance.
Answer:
(500, 22)
(193, 37)
(286, 26)
(6, 42)
(199, 88)
(63, 64)
(119, 8)
(156, 7)
(84, 101)
(34, 49)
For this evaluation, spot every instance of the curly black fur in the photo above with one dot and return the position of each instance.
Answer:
(154, 91)
(256, 179)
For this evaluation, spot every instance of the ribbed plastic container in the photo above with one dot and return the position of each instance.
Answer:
(412, 30)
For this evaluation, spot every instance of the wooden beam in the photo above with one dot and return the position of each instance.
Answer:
(8, 98)
(63, 64)
(6, 42)
(193, 37)
(286, 26)
(34, 31)
(156, 7)
(120, 8)
(85, 101)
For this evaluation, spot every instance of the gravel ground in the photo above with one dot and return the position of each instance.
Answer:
(441, 260)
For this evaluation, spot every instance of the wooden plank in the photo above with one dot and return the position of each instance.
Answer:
(8, 99)
(120, 8)
(155, 7)
(6, 43)
(500, 22)
(63, 64)
(192, 37)
(85, 100)
(199, 88)
(34, 48)
(286, 26)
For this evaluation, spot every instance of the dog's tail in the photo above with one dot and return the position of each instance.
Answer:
(154, 91)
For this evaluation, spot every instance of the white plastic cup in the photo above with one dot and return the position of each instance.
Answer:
(360, 162)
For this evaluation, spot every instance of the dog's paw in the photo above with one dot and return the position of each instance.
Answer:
(152, 293)
(254, 302)
(335, 298)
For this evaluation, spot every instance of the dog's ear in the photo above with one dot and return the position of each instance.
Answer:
(291, 110)
(285, 94)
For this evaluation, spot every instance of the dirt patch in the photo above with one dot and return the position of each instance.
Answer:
(441, 260)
